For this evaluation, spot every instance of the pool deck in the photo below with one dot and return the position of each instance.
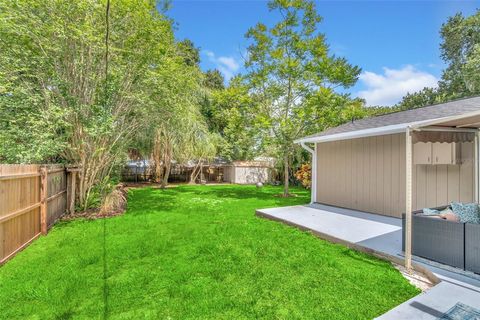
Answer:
(382, 237)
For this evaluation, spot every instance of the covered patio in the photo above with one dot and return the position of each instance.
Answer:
(371, 180)
(367, 232)
(440, 141)
(394, 167)
(382, 236)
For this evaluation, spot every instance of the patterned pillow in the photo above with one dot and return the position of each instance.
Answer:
(430, 212)
(466, 212)
(447, 210)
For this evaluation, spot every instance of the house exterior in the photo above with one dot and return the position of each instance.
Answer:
(361, 164)
(368, 174)
(399, 162)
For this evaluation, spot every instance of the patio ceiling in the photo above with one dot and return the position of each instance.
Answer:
(454, 128)
(469, 120)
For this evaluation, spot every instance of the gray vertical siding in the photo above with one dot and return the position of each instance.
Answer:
(368, 174)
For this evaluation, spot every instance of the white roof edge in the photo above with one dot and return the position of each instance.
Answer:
(396, 128)
(380, 131)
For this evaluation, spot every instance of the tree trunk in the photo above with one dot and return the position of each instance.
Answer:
(157, 155)
(193, 175)
(166, 174)
(196, 171)
(167, 163)
(158, 171)
(285, 176)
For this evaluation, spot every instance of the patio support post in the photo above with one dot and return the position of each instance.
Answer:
(314, 171)
(408, 200)
(314, 175)
(477, 163)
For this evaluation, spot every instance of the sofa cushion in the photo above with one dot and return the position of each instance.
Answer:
(450, 217)
(466, 212)
(434, 216)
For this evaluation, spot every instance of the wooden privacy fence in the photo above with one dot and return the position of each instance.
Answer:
(32, 198)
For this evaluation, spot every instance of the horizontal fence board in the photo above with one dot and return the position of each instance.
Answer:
(20, 230)
(3, 260)
(18, 194)
(19, 212)
(20, 204)
(19, 176)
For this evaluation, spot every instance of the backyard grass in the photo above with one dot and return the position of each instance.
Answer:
(195, 252)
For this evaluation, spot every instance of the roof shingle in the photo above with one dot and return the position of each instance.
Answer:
(436, 111)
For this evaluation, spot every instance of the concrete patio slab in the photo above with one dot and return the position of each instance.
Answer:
(349, 228)
(433, 303)
(377, 234)
(382, 236)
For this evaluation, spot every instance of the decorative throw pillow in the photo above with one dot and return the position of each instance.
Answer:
(466, 212)
(446, 210)
(430, 212)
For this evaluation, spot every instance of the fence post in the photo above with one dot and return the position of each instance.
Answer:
(71, 208)
(43, 199)
(71, 191)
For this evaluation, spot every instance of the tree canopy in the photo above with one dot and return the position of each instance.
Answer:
(293, 78)
(80, 81)
(460, 50)
(84, 82)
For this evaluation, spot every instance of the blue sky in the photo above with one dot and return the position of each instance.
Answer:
(396, 43)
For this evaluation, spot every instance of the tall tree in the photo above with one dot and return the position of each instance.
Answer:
(213, 83)
(289, 65)
(174, 118)
(80, 69)
(424, 97)
(187, 50)
(214, 80)
(175, 129)
(460, 50)
(233, 118)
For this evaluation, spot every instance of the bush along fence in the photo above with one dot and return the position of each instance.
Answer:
(32, 198)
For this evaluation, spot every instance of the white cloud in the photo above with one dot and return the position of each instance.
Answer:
(389, 88)
(229, 62)
(228, 66)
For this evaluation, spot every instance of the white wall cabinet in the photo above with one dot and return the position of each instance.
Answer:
(436, 153)
(422, 153)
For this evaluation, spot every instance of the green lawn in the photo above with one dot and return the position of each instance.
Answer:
(195, 252)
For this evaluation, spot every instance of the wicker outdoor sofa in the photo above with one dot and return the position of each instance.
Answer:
(452, 243)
